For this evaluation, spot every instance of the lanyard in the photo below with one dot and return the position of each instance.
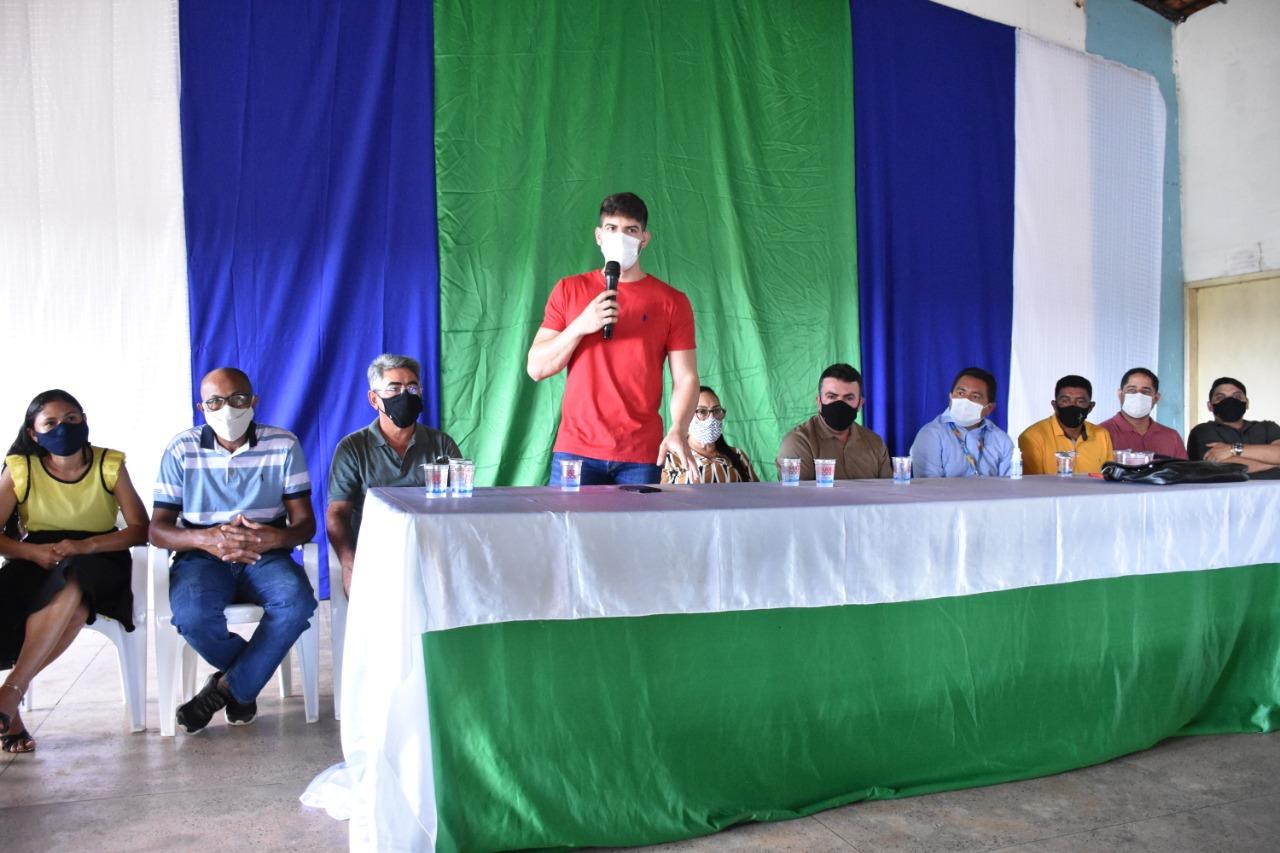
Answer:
(964, 448)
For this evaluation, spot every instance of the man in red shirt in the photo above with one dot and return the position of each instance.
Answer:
(611, 415)
(1133, 428)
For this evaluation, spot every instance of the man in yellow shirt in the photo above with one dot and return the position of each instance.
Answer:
(1066, 429)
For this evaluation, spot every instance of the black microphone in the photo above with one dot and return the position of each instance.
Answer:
(612, 270)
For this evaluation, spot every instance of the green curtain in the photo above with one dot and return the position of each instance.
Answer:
(732, 120)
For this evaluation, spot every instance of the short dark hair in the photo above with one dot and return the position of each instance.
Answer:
(1227, 380)
(1073, 381)
(1155, 380)
(981, 375)
(24, 445)
(625, 204)
(843, 372)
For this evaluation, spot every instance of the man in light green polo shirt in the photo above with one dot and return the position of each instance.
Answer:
(385, 453)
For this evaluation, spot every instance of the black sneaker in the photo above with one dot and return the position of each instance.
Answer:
(195, 714)
(241, 713)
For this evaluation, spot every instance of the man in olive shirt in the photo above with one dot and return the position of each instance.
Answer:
(1230, 438)
(385, 453)
(832, 433)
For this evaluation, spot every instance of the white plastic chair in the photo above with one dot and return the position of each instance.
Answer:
(131, 646)
(337, 627)
(176, 660)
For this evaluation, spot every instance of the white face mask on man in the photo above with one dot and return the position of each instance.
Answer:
(965, 412)
(1137, 405)
(229, 423)
(623, 248)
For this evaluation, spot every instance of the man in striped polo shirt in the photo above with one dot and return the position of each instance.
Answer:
(243, 496)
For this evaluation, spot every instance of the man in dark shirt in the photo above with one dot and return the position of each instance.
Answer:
(1230, 438)
(388, 452)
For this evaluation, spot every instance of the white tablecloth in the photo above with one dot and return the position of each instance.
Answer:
(516, 554)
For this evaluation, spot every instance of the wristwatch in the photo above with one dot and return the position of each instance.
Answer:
(1237, 449)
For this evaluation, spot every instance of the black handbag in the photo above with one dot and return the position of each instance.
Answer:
(1167, 472)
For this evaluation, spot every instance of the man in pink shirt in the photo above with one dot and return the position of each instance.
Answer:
(1133, 428)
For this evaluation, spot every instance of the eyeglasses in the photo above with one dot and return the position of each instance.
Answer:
(702, 411)
(395, 389)
(237, 401)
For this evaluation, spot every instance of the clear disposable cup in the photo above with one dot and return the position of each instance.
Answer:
(1066, 462)
(901, 470)
(789, 471)
(1122, 457)
(824, 471)
(570, 474)
(1141, 457)
(462, 477)
(436, 478)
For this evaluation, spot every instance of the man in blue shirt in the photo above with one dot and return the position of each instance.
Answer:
(243, 495)
(961, 442)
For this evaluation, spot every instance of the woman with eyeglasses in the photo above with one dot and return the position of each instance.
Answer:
(714, 460)
(71, 564)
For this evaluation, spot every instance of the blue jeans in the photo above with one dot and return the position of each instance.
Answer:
(200, 588)
(601, 472)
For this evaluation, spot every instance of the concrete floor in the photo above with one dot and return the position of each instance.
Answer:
(91, 785)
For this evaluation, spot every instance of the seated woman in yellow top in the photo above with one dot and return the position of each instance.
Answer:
(714, 460)
(72, 564)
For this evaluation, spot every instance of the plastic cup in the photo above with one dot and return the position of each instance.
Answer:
(462, 477)
(570, 474)
(1141, 457)
(789, 471)
(825, 472)
(436, 478)
(901, 470)
(1066, 462)
(1122, 457)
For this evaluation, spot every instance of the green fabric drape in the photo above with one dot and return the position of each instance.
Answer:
(639, 730)
(733, 121)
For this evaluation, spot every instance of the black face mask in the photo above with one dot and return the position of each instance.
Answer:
(403, 409)
(1072, 417)
(1229, 409)
(839, 415)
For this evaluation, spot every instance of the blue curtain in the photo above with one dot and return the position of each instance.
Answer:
(933, 131)
(310, 204)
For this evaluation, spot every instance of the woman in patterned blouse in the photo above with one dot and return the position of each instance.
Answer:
(714, 459)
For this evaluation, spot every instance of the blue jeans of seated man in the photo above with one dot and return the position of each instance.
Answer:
(602, 472)
(200, 588)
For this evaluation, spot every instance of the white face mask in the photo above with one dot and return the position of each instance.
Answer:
(623, 248)
(965, 412)
(706, 432)
(229, 423)
(1137, 405)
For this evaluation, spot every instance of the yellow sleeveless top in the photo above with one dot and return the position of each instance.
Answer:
(46, 503)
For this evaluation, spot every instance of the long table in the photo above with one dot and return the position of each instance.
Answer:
(534, 668)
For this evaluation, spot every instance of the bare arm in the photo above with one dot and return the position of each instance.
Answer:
(337, 523)
(165, 533)
(684, 398)
(1258, 457)
(42, 555)
(551, 350)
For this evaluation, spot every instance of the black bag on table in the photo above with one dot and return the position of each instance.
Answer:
(1167, 472)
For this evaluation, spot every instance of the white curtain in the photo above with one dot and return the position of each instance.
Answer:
(92, 249)
(1088, 195)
